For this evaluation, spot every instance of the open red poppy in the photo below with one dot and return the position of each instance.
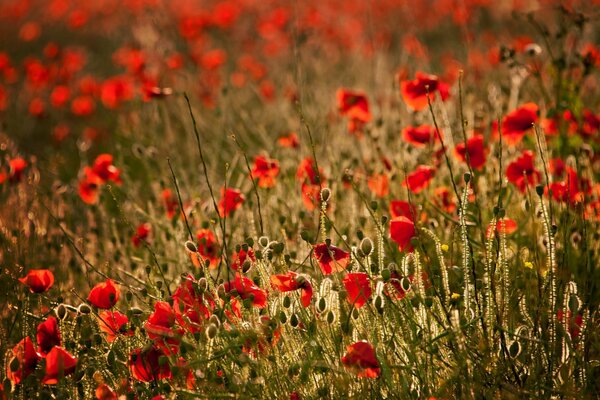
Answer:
(420, 136)
(113, 323)
(331, 259)
(25, 354)
(415, 92)
(59, 363)
(291, 140)
(419, 179)
(358, 288)
(510, 227)
(476, 150)
(401, 208)
(379, 185)
(241, 257)
(104, 392)
(522, 173)
(171, 202)
(293, 281)
(402, 230)
(103, 168)
(231, 200)
(519, 122)
(161, 327)
(47, 335)
(191, 302)
(141, 234)
(360, 357)
(104, 295)
(38, 280)
(149, 364)
(265, 170)
(208, 247)
(89, 186)
(353, 105)
(246, 289)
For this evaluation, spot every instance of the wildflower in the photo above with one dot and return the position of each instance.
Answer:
(47, 335)
(519, 122)
(208, 246)
(402, 231)
(231, 200)
(16, 166)
(104, 295)
(331, 259)
(358, 287)
(415, 92)
(475, 149)
(246, 289)
(379, 185)
(419, 136)
(26, 359)
(419, 179)
(521, 172)
(113, 323)
(265, 170)
(161, 327)
(290, 140)
(361, 359)
(170, 201)
(293, 281)
(401, 208)
(59, 363)
(38, 280)
(141, 234)
(149, 364)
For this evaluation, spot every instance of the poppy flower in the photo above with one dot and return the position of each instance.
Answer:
(116, 90)
(401, 208)
(16, 166)
(510, 227)
(310, 196)
(104, 392)
(402, 230)
(519, 122)
(290, 141)
(246, 289)
(379, 185)
(572, 189)
(265, 170)
(38, 280)
(231, 200)
(353, 105)
(59, 363)
(415, 92)
(575, 322)
(307, 172)
(83, 106)
(103, 168)
(310, 183)
(360, 357)
(170, 201)
(141, 234)
(113, 323)
(331, 259)
(89, 186)
(161, 327)
(241, 257)
(590, 124)
(420, 136)
(475, 149)
(48, 335)
(208, 246)
(193, 303)
(104, 295)
(293, 281)
(27, 358)
(358, 287)
(419, 179)
(521, 172)
(149, 364)
(443, 199)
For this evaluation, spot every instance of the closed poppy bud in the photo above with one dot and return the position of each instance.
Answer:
(366, 246)
(325, 194)
(211, 331)
(61, 311)
(84, 309)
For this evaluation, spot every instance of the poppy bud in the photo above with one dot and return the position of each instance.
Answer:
(374, 205)
(467, 177)
(282, 317)
(366, 246)
(386, 274)
(325, 194)
(202, 285)
(574, 304)
(84, 309)
(304, 236)
(246, 266)
(355, 313)
(405, 284)
(330, 317)
(136, 311)
(61, 311)
(514, 349)
(128, 296)
(378, 303)
(191, 247)
(263, 241)
(14, 364)
(287, 302)
(321, 305)
(294, 321)
(539, 189)
(211, 331)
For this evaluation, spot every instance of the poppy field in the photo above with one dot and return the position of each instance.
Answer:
(385, 199)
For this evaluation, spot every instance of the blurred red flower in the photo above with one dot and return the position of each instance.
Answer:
(231, 200)
(476, 150)
(522, 173)
(518, 122)
(113, 323)
(27, 358)
(265, 170)
(401, 208)
(141, 234)
(420, 136)
(104, 295)
(38, 280)
(379, 185)
(290, 140)
(161, 327)
(331, 259)
(246, 289)
(419, 179)
(208, 247)
(360, 357)
(415, 92)
(149, 364)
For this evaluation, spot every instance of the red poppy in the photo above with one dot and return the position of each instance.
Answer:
(310, 186)
(358, 287)
(293, 281)
(161, 328)
(419, 179)
(149, 364)
(171, 202)
(420, 136)
(193, 303)
(59, 363)
(521, 172)
(443, 199)
(115, 91)
(572, 189)
(208, 246)
(231, 200)
(290, 141)
(113, 323)
(401, 208)
(476, 150)
(353, 105)
(141, 234)
(519, 122)
(246, 289)
(360, 357)
(591, 124)
(16, 166)
(575, 323)
(331, 259)
(510, 227)
(48, 335)
(27, 358)
(59, 96)
(415, 92)
(311, 196)
(103, 167)
(240, 258)
(89, 186)
(104, 295)
(265, 170)
(104, 392)
(379, 185)
(402, 230)
(308, 172)
(38, 280)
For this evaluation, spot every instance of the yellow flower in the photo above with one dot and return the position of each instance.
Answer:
(445, 247)
(528, 264)
(455, 296)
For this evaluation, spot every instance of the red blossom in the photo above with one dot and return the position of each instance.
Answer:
(522, 173)
(402, 230)
(16, 167)
(161, 327)
(24, 352)
(47, 335)
(379, 185)
(293, 281)
(246, 289)
(419, 179)
(103, 168)
(113, 323)
(358, 287)
(240, 257)
(265, 170)
(208, 246)
(104, 392)
(420, 136)
(149, 364)
(170, 201)
(519, 122)
(360, 357)
(38, 280)
(59, 363)
(231, 200)
(290, 141)
(475, 149)
(401, 208)
(141, 234)
(415, 92)
(104, 295)
(89, 186)
(331, 259)
(353, 105)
